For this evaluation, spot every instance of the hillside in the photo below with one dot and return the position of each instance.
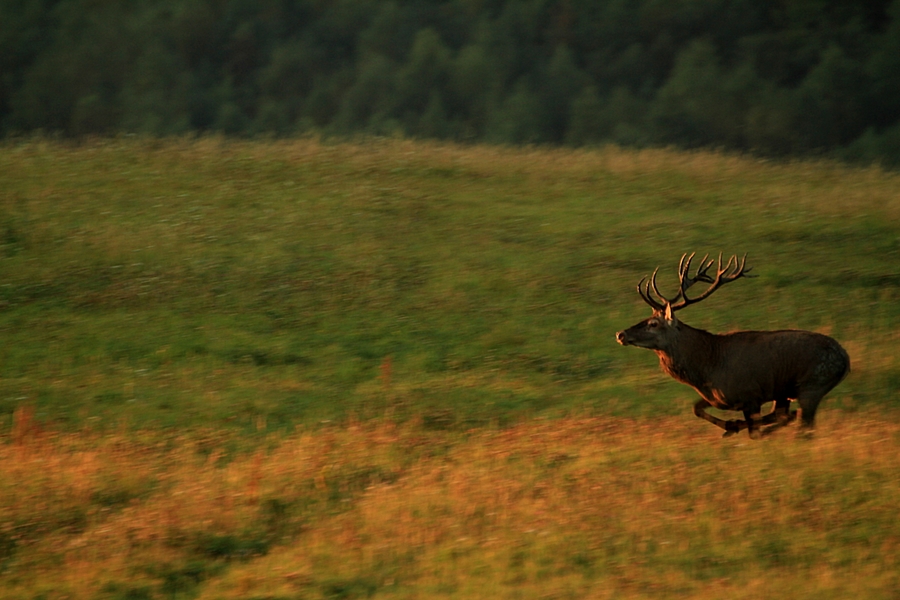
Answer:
(212, 283)
(387, 368)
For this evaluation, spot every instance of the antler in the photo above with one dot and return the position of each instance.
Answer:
(645, 292)
(733, 269)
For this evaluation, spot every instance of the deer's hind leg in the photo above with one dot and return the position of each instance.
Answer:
(834, 366)
(809, 402)
(782, 411)
(731, 427)
(781, 415)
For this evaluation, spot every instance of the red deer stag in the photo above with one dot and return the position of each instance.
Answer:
(741, 370)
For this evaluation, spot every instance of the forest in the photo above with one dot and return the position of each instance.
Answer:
(769, 77)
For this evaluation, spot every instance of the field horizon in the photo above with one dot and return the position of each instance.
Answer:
(387, 368)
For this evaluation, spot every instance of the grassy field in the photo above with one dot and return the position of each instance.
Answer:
(295, 369)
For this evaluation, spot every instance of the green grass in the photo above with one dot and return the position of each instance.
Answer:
(196, 283)
(283, 369)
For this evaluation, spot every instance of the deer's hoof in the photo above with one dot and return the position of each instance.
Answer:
(755, 434)
(728, 434)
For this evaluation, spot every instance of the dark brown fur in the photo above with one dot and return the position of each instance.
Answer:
(746, 369)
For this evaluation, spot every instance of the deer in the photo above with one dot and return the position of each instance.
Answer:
(742, 370)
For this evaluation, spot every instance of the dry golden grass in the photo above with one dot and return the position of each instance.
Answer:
(592, 507)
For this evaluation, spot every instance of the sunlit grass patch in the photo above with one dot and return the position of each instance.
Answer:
(591, 506)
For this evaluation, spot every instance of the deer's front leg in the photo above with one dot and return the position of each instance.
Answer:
(781, 415)
(730, 427)
(754, 420)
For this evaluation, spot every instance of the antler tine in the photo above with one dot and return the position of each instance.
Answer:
(658, 301)
(656, 289)
(684, 268)
(640, 289)
(684, 265)
(645, 291)
(744, 264)
(705, 264)
(731, 259)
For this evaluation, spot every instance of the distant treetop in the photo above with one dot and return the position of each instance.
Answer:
(774, 77)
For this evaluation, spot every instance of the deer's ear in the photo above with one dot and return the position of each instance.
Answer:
(670, 314)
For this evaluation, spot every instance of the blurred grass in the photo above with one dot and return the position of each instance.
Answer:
(298, 369)
(204, 282)
(592, 507)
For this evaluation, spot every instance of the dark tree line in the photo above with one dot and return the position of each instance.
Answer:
(775, 77)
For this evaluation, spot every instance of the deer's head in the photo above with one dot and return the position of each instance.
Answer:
(660, 330)
(655, 333)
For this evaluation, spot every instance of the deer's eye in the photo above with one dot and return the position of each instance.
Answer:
(653, 324)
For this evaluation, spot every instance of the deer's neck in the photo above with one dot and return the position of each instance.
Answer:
(691, 355)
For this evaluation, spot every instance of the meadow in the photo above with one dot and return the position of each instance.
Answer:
(305, 369)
